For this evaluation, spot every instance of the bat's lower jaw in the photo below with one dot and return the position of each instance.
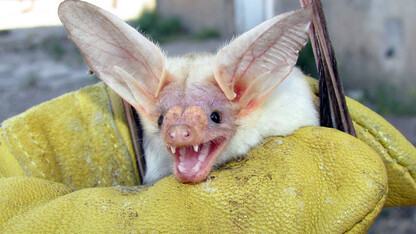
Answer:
(193, 164)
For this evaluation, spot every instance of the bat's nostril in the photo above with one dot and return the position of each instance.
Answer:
(186, 134)
(180, 133)
(172, 134)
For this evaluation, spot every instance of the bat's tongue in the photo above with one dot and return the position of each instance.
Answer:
(193, 165)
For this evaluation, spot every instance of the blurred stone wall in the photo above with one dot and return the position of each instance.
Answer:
(197, 15)
(374, 40)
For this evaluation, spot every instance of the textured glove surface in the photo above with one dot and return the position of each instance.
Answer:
(317, 180)
(79, 139)
(397, 153)
(304, 182)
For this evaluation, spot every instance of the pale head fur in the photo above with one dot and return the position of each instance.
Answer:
(288, 108)
(252, 82)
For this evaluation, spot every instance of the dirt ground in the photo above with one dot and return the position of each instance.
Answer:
(37, 65)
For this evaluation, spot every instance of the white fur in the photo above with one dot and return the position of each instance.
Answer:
(288, 108)
(159, 163)
(257, 52)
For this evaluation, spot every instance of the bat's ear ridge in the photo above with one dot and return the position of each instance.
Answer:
(118, 54)
(255, 63)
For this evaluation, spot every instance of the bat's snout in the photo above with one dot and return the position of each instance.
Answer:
(184, 126)
(180, 135)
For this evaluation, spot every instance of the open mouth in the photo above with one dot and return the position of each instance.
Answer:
(192, 164)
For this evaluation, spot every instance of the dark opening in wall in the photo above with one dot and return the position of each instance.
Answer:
(390, 52)
(393, 38)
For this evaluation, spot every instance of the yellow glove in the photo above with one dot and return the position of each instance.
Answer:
(79, 139)
(318, 179)
(300, 183)
(397, 153)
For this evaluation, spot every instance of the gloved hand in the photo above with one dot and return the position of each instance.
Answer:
(316, 180)
(397, 153)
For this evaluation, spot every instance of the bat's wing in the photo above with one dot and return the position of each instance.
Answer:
(333, 108)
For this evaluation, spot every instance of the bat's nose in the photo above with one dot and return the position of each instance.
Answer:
(184, 126)
(180, 135)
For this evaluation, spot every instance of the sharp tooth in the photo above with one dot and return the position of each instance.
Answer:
(173, 149)
(201, 157)
(204, 152)
(181, 168)
(196, 147)
(196, 167)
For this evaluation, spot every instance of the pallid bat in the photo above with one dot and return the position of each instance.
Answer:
(200, 111)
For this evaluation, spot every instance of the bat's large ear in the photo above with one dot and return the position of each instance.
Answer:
(120, 56)
(254, 64)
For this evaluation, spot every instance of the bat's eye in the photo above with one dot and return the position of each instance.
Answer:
(160, 120)
(215, 117)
